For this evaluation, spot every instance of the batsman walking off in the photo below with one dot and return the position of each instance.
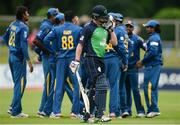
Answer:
(93, 43)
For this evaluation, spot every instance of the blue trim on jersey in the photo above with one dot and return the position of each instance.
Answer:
(153, 55)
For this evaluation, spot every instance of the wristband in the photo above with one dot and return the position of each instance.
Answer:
(77, 60)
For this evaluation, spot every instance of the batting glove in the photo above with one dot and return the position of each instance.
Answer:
(74, 66)
(109, 25)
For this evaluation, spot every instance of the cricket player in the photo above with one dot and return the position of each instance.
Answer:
(92, 44)
(68, 87)
(153, 62)
(16, 38)
(66, 37)
(48, 62)
(113, 62)
(131, 80)
(59, 19)
(122, 108)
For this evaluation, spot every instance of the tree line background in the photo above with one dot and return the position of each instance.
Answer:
(129, 8)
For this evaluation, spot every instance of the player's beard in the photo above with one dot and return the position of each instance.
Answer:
(130, 33)
(26, 19)
(27, 23)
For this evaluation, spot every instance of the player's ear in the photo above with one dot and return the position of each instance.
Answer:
(75, 20)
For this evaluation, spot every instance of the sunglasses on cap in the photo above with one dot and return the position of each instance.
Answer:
(128, 25)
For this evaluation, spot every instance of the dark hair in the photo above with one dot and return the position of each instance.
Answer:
(157, 29)
(20, 10)
(49, 15)
(69, 15)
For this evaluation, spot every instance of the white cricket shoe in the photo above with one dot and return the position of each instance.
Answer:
(125, 114)
(105, 119)
(41, 114)
(93, 120)
(153, 114)
(73, 115)
(96, 120)
(20, 115)
(9, 111)
(140, 115)
(55, 116)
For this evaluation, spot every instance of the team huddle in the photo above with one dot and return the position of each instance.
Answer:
(86, 61)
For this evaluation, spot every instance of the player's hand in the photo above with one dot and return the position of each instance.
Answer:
(74, 66)
(124, 68)
(109, 25)
(30, 66)
(112, 24)
(139, 64)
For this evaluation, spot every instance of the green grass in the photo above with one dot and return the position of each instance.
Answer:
(169, 102)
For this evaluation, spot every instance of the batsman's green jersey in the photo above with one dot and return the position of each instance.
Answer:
(94, 39)
(98, 41)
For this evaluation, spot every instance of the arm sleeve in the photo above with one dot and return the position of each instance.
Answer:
(84, 36)
(79, 34)
(6, 36)
(121, 50)
(151, 52)
(49, 37)
(42, 33)
(24, 43)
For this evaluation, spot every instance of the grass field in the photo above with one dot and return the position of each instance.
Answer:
(169, 102)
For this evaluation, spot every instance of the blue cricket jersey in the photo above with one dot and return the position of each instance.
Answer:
(126, 40)
(120, 48)
(66, 37)
(45, 28)
(153, 55)
(137, 43)
(16, 38)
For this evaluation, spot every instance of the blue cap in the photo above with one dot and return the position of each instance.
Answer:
(112, 14)
(129, 22)
(53, 11)
(118, 17)
(151, 23)
(60, 16)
